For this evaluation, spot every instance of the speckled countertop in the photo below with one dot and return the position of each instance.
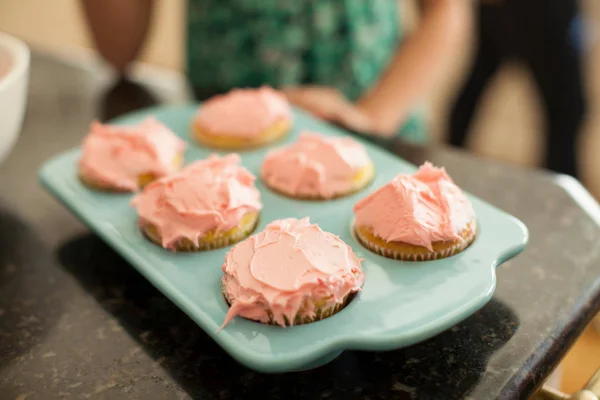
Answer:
(77, 322)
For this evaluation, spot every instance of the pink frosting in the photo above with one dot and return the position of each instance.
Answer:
(243, 112)
(417, 209)
(117, 155)
(315, 165)
(210, 194)
(292, 260)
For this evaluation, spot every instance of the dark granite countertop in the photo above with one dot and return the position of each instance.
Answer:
(77, 322)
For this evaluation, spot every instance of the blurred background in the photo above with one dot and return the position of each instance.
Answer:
(508, 126)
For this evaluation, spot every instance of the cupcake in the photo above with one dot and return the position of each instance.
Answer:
(290, 273)
(318, 167)
(208, 204)
(126, 158)
(418, 217)
(243, 119)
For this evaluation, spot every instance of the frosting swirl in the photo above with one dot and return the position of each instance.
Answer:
(117, 155)
(243, 112)
(208, 195)
(417, 209)
(281, 272)
(315, 165)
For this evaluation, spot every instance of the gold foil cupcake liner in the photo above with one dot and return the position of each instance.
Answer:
(444, 249)
(206, 242)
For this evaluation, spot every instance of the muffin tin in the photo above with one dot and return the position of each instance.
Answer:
(401, 302)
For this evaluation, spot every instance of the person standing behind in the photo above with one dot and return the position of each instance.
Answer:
(345, 61)
(546, 36)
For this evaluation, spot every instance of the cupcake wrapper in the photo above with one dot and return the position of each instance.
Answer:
(186, 245)
(451, 250)
(320, 312)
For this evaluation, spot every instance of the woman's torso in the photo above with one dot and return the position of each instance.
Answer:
(246, 43)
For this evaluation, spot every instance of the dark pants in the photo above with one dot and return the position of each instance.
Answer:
(543, 35)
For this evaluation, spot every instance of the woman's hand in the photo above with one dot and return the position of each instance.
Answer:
(419, 61)
(330, 105)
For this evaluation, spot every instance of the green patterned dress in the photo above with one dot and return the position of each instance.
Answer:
(246, 43)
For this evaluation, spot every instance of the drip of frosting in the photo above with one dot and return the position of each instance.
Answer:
(284, 270)
(208, 195)
(315, 165)
(243, 112)
(417, 209)
(117, 155)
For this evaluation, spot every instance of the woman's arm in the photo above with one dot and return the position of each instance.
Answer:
(119, 28)
(416, 64)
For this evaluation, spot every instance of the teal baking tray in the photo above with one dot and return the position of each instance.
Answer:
(401, 302)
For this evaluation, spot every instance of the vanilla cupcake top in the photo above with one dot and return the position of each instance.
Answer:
(116, 155)
(208, 195)
(315, 166)
(417, 209)
(243, 112)
(288, 270)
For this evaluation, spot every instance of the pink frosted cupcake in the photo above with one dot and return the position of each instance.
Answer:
(318, 167)
(126, 158)
(209, 204)
(290, 273)
(423, 216)
(243, 119)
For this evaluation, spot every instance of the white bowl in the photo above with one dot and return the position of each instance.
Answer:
(14, 77)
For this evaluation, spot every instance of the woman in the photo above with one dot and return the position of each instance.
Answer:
(342, 60)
